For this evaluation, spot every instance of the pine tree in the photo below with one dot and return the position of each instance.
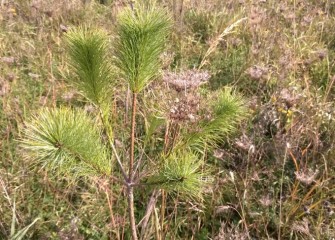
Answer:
(70, 141)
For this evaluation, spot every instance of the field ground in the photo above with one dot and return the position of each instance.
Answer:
(273, 179)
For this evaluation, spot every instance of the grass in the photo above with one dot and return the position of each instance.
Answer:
(272, 180)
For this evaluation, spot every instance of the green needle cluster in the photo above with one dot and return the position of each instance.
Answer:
(142, 32)
(89, 61)
(181, 173)
(68, 141)
(228, 110)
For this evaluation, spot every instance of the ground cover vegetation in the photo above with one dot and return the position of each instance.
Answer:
(176, 120)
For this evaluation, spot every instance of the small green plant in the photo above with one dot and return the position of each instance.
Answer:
(76, 144)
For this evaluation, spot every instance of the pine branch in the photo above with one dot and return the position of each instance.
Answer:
(228, 111)
(142, 33)
(180, 172)
(89, 61)
(66, 140)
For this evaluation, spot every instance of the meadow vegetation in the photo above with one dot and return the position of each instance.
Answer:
(266, 170)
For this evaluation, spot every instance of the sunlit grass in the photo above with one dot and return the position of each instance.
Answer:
(276, 58)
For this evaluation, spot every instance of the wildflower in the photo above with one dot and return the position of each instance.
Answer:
(322, 53)
(188, 79)
(301, 226)
(266, 201)
(186, 106)
(306, 177)
(257, 72)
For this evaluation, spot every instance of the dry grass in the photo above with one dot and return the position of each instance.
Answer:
(282, 163)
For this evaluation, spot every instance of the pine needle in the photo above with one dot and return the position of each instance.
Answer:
(142, 33)
(66, 140)
(228, 110)
(89, 61)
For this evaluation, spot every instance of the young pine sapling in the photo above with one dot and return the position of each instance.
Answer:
(72, 142)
